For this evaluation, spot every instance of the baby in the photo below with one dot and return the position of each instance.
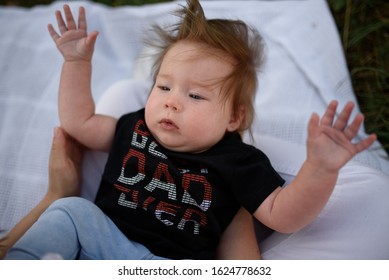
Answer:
(178, 171)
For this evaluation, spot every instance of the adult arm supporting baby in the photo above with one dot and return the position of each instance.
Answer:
(64, 181)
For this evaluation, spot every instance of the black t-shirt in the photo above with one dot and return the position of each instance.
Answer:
(179, 204)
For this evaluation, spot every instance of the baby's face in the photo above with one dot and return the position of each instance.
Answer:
(185, 111)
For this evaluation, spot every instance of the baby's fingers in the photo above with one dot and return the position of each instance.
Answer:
(54, 35)
(61, 23)
(365, 143)
(342, 120)
(71, 24)
(82, 19)
(329, 114)
(352, 130)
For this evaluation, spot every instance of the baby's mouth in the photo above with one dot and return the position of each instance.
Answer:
(168, 124)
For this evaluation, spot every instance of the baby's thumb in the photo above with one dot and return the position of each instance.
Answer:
(313, 125)
(92, 37)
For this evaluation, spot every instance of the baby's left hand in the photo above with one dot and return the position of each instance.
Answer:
(330, 143)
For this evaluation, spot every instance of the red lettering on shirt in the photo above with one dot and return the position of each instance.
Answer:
(141, 160)
(163, 180)
(187, 179)
(195, 217)
(164, 209)
(180, 200)
(140, 128)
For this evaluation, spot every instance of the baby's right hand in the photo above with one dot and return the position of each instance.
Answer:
(74, 43)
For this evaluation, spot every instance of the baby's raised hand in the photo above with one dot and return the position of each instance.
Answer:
(73, 41)
(330, 143)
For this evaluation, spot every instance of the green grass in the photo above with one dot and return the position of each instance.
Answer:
(364, 29)
(114, 3)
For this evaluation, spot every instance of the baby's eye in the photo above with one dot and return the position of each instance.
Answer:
(195, 96)
(164, 88)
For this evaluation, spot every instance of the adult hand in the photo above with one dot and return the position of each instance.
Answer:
(64, 180)
(64, 165)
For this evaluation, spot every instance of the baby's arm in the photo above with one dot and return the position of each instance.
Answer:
(75, 103)
(329, 148)
(238, 241)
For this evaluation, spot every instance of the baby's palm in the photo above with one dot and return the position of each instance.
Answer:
(74, 43)
(330, 143)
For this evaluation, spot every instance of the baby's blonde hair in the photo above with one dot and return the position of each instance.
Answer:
(235, 39)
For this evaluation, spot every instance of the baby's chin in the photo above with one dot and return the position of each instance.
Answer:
(172, 143)
(182, 147)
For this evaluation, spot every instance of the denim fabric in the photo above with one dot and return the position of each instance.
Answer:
(76, 228)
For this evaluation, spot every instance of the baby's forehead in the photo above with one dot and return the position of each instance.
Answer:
(190, 64)
(188, 49)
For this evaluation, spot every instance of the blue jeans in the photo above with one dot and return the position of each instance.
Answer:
(76, 228)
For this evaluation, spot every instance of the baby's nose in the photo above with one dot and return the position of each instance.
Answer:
(173, 103)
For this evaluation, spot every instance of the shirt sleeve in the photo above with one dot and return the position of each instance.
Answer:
(254, 179)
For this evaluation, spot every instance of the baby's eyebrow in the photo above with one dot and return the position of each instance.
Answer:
(163, 76)
(207, 85)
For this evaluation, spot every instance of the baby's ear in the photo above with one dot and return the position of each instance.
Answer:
(237, 117)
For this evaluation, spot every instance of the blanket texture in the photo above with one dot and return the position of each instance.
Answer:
(303, 71)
